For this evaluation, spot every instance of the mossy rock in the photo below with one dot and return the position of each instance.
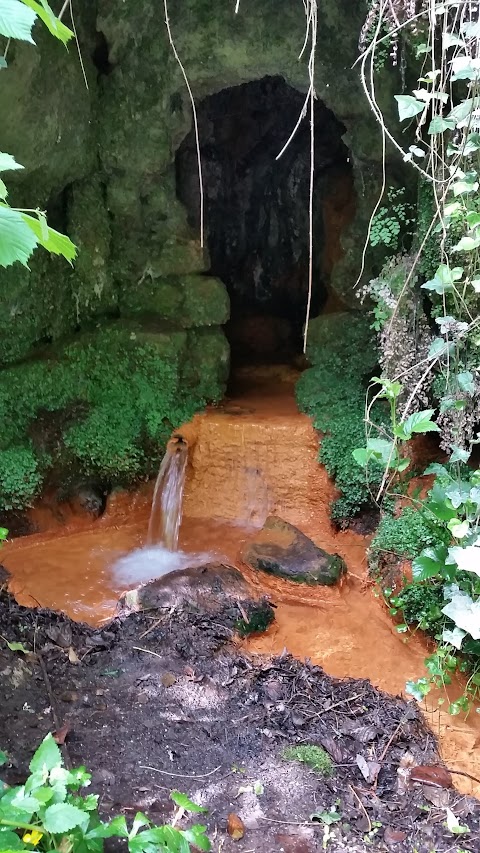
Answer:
(281, 549)
(189, 301)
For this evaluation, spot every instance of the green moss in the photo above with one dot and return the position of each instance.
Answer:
(190, 301)
(313, 756)
(342, 350)
(20, 477)
(105, 405)
(405, 535)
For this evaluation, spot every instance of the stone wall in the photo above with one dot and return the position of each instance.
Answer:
(101, 161)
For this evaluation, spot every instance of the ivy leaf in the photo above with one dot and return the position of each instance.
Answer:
(17, 240)
(8, 163)
(51, 240)
(466, 382)
(459, 454)
(408, 106)
(16, 20)
(62, 817)
(47, 756)
(467, 244)
(440, 124)
(464, 187)
(458, 528)
(473, 219)
(56, 27)
(443, 279)
(183, 802)
(418, 689)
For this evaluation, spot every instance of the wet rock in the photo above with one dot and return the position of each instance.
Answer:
(208, 589)
(283, 550)
(89, 499)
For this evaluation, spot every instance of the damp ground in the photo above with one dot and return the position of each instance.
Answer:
(164, 701)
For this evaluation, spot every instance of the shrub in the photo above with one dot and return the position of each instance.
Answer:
(20, 477)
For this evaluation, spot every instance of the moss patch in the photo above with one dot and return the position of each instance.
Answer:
(103, 407)
(313, 756)
(343, 353)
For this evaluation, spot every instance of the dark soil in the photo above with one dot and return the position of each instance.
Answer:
(211, 720)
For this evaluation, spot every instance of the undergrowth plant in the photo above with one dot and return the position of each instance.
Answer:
(49, 813)
(429, 326)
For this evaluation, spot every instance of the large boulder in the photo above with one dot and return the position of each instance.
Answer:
(283, 550)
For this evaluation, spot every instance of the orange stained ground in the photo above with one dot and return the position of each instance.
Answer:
(253, 456)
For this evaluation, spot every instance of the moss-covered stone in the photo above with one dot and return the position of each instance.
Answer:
(188, 301)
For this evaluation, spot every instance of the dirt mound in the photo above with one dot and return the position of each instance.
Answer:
(172, 691)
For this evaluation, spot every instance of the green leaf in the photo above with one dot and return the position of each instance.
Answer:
(57, 29)
(9, 840)
(51, 240)
(408, 106)
(3, 62)
(8, 163)
(139, 820)
(16, 20)
(3, 758)
(466, 382)
(418, 689)
(196, 836)
(458, 528)
(17, 647)
(459, 454)
(361, 456)
(467, 244)
(47, 756)
(419, 422)
(117, 827)
(430, 563)
(443, 279)
(3, 191)
(62, 817)
(440, 124)
(473, 219)
(184, 802)
(17, 240)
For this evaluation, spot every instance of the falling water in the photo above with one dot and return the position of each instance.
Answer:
(166, 515)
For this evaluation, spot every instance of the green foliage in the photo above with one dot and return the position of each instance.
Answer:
(406, 535)
(391, 221)
(332, 392)
(48, 813)
(20, 477)
(103, 407)
(313, 756)
(21, 233)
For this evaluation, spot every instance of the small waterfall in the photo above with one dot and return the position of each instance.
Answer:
(167, 506)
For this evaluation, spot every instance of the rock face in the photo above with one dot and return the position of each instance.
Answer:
(283, 550)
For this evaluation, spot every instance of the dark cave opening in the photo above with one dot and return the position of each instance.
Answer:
(257, 210)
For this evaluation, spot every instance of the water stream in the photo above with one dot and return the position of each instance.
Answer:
(256, 454)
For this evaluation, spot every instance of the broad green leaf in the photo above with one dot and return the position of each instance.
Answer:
(419, 422)
(8, 163)
(430, 563)
(17, 240)
(9, 840)
(47, 756)
(465, 612)
(51, 240)
(465, 68)
(464, 187)
(3, 758)
(440, 510)
(462, 112)
(117, 827)
(467, 244)
(184, 802)
(3, 533)
(56, 27)
(3, 62)
(3, 191)
(450, 40)
(473, 219)
(62, 817)
(139, 820)
(437, 347)
(444, 279)
(437, 469)
(408, 106)
(361, 456)
(196, 836)
(466, 382)
(16, 20)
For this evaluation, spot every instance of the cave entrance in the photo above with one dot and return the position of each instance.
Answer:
(257, 211)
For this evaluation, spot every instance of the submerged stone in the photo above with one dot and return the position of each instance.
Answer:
(281, 549)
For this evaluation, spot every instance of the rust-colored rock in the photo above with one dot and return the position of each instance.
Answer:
(281, 549)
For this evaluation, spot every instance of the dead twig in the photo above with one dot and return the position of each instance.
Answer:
(180, 775)
(361, 806)
(149, 630)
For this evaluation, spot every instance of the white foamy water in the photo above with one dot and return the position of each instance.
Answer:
(153, 562)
